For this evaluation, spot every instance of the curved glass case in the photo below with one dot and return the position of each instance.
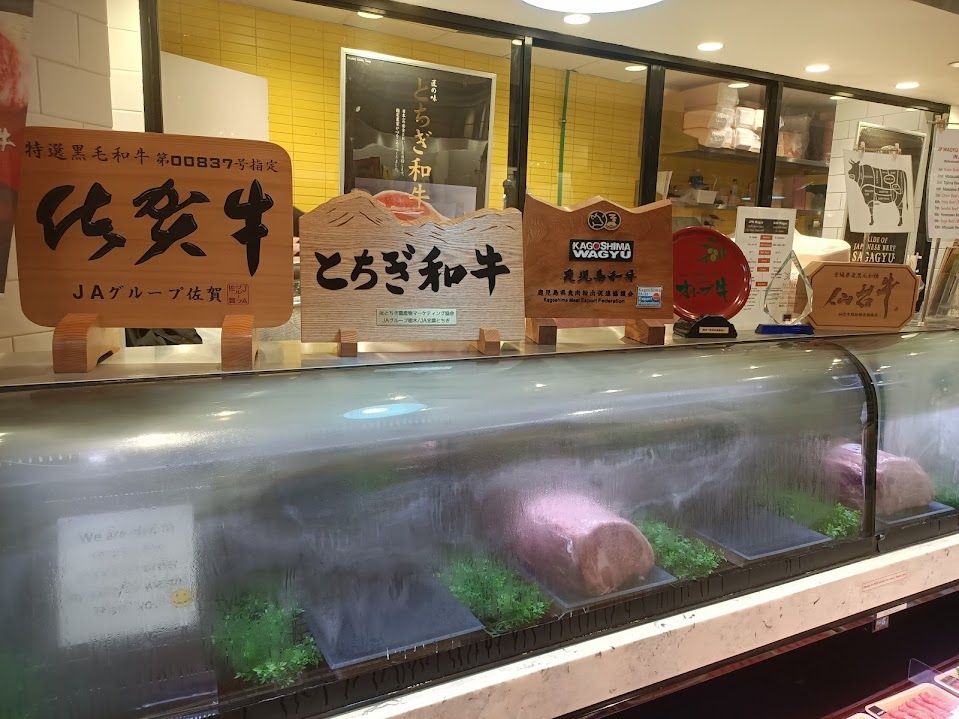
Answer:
(174, 544)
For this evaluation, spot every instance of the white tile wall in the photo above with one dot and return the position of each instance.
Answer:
(124, 14)
(70, 87)
(851, 110)
(126, 64)
(125, 50)
(128, 121)
(127, 90)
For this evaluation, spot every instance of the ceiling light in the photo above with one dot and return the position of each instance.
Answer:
(592, 6)
(738, 85)
(817, 67)
(908, 85)
(635, 68)
(517, 41)
(954, 63)
(576, 19)
(709, 46)
(370, 14)
(837, 98)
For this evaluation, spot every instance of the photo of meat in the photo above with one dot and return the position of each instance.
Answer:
(406, 207)
(15, 24)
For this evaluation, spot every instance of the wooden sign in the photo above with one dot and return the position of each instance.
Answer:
(854, 295)
(122, 229)
(598, 260)
(367, 276)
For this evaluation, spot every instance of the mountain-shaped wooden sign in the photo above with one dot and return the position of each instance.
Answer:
(368, 276)
(598, 260)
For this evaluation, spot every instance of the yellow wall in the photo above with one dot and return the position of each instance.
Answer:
(604, 122)
(300, 59)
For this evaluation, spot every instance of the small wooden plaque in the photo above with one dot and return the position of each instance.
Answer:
(598, 259)
(152, 230)
(856, 295)
(388, 280)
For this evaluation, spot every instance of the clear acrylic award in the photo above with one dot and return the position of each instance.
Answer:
(788, 300)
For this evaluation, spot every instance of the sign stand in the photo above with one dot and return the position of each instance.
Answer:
(238, 344)
(487, 343)
(542, 331)
(80, 343)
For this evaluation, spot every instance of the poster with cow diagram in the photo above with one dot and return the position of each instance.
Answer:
(879, 192)
(895, 244)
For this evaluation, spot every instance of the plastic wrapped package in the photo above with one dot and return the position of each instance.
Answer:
(712, 138)
(717, 94)
(745, 118)
(718, 119)
(744, 139)
(792, 145)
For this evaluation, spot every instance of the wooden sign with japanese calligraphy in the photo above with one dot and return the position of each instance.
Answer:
(150, 230)
(597, 260)
(856, 295)
(366, 272)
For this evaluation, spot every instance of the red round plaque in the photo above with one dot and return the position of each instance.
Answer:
(710, 274)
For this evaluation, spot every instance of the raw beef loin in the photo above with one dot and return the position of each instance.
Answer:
(900, 482)
(573, 543)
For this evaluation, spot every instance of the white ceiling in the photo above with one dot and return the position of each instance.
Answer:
(870, 44)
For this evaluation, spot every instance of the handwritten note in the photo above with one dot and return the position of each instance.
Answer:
(126, 573)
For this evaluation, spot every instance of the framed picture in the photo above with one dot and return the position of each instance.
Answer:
(944, 301)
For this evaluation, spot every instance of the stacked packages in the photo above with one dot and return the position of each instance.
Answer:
(716, 119)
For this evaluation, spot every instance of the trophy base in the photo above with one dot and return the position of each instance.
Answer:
(800, 329)
(706, 327)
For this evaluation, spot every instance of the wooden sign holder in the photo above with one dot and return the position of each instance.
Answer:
(80, 343)
(488, 342)
(543, 331)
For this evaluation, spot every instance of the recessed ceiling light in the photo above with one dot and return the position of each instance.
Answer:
(912, 109)
(711, 46)
(817, 67)
(590, 6)
(517, 41)
(954, 63)
(908, 85)
(738, 85)
(576, 19)
(635, 68)
(837, 98)
(370, 15)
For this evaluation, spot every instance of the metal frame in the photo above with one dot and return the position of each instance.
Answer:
(491, 76)
(520, 79)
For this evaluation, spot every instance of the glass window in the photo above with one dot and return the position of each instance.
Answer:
(709, 149)
(585, 128)
(296, 47)
(803, 154)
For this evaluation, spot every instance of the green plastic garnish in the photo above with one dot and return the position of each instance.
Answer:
(19, 688)
(681, 556)
(496, 595)
(833, 520)
(948, 494)
(259, 639)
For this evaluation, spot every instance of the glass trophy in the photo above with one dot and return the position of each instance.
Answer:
(788, 300)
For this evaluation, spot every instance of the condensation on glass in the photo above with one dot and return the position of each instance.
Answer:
(181, 541)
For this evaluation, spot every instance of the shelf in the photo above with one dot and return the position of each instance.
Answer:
(784, 165)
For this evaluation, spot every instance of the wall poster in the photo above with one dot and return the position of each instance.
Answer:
(15, 22)
(416, 135)
(943, 201)
(882, 241)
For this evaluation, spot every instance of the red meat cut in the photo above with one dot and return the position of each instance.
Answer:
(406, 207)
(574, 543)
(900, 482)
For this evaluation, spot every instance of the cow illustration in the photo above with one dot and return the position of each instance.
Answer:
(879, 185)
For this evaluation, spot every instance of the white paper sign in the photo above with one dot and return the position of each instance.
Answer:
(879, 192)
(122, 574)
(942, 214)
(765, 235)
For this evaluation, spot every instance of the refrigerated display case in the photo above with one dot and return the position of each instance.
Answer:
(341, 534)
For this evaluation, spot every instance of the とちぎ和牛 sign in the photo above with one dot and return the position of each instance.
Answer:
(598, 260)
(365, 270)
(855, 295)
(150, 230)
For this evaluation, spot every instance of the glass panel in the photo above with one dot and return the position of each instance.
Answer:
(296, 48)
(803, 153)
(585, 128)
(918, 472)
(709, 149)
(180, 541)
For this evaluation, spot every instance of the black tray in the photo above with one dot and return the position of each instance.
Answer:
(918, 514)
(569, 602)
(757, 534)
(373, 618)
